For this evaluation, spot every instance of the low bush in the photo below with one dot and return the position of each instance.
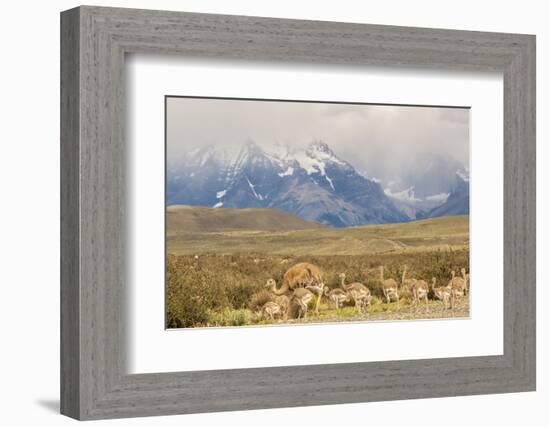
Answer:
(230, 317)
(234, 286)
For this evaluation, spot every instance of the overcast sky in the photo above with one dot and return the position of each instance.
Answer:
(378, 140)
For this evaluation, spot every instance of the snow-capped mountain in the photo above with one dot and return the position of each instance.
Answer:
(314, 184)
(438, 181)
(427, 174)
(414, 206)
(458, 202)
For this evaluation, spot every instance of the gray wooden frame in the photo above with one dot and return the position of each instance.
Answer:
(94, 41)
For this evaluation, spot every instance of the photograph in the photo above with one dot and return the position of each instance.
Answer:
(286, 212)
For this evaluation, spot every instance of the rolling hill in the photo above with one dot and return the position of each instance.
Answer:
(197, 219)
(266, 231)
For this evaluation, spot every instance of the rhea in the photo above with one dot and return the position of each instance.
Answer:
(270, 310)
(337, 296)
(420, 292)
(358, 292)
(444, 293)
(302, 275)
(389, 287)
(407, 284)
(281, 300)
(459, 284)
(300, 299)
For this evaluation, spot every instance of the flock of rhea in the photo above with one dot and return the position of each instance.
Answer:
(303, 280)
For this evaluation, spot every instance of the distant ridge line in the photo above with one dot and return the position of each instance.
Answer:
(187, 218)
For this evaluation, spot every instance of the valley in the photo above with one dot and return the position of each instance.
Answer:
(186, 236)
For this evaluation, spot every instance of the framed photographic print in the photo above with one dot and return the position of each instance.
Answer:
(347, 210)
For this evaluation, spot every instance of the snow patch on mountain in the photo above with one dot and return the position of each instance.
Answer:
(405, 195)
(289, 172)
(220, 194)
(274, 159)
(252, 187)
(315, 158)
(309, 164)
(322, 152)
(463, 174)
(330, 182)
(441, 198)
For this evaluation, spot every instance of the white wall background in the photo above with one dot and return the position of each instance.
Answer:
(29, 225)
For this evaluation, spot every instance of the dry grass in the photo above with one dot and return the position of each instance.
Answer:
(447, 233)
(228, 290)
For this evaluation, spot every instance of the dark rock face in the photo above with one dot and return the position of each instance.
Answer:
(458, 202)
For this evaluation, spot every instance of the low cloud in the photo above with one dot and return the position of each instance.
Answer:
(378, 140)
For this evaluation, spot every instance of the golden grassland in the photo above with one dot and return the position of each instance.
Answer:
(426, 235)
(218, 278)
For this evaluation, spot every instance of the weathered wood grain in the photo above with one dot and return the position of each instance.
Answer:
(94, 382)
(70, 220)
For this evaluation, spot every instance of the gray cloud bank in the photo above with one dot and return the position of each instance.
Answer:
(386, 142)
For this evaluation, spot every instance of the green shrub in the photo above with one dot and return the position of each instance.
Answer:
(230, 317)
(239, 295)
(375, 300)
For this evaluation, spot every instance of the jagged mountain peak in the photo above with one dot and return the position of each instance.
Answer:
(311, 182)
(312, 158)
(320, 150)
(248, 150)
(318, 146)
